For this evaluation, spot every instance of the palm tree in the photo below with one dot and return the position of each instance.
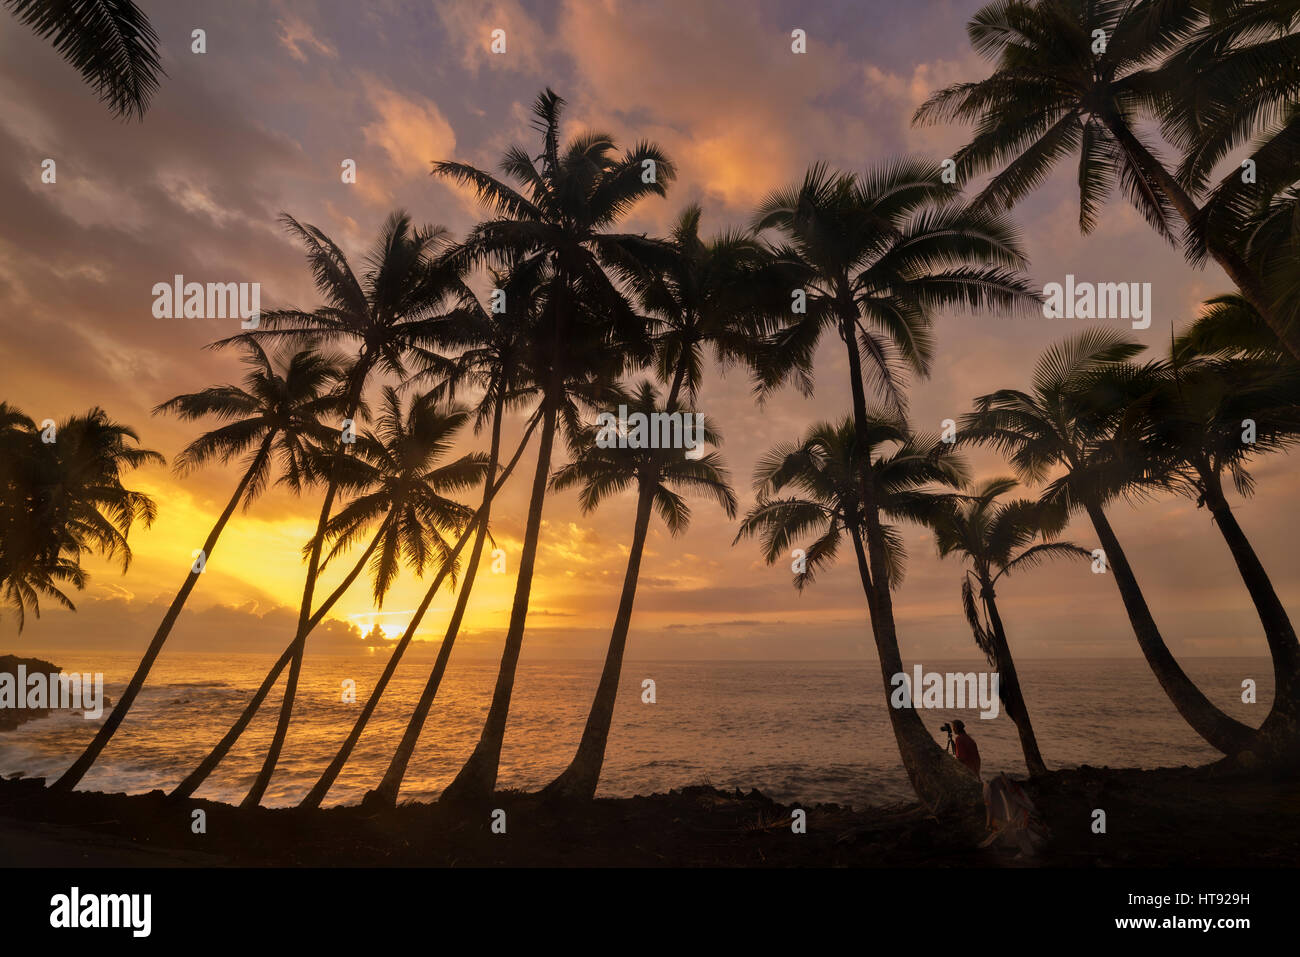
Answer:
(714, 292)
(997, 538)
(493, 358)
(110, 42)
(477, 525)
(1053, 92)
(63, 499)
(1228, 326)
(399, 494)
(195, 778)
(387, 311)
(656, 474)
(401, 489)
(1233, 80)
(821, 476)
(558, 224)
(1189, 417)
(717, 292)
(33, 560)
(1054, 427)
(270, 418)
(875, 257)
(1272, 248)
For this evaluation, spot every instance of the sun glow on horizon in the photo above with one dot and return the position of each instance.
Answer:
(369, 621)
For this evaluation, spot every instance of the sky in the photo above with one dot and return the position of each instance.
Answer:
(287, 90)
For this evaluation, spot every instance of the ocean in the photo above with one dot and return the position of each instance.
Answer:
(799, 731)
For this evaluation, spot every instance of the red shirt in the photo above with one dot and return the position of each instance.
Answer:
(967, 753)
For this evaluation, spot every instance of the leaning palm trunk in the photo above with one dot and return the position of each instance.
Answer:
(1221, 731)
(477, 779)
(1242, 276)
(74, 774)
(580, 778)
(218, 753)
(1280, 732)
(478, 527)
(940, 782)
(1009, 685)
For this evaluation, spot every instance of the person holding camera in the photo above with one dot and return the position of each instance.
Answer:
(963, 746)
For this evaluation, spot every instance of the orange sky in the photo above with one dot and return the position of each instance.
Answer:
(287, 90)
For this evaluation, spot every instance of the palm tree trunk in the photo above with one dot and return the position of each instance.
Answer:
(1221, 731)
(74, 774)
(391, 784)
(864, 574)
(679, 377)
(940, 782)
(1281, 729)
(1277, 624)
(215, 756)
(1242, 276)
(477, 779)
(579, 780)
(1009, 685)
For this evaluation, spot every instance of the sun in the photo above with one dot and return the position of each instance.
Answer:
(375, 633)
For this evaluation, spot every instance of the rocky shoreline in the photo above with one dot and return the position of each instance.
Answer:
(1214, 816)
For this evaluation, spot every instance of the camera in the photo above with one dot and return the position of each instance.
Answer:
(946, 727)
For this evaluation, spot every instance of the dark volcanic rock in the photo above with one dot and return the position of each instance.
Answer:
(1173, 817)
(11, 718)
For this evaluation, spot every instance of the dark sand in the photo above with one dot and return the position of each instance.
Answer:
(1184, 817)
